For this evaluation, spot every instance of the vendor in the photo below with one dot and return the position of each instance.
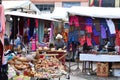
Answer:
(59, 42)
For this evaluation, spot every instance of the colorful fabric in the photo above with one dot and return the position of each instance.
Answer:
(111, 26)
(74, 21)
(103, 32)
(117, 41)
(96, 23)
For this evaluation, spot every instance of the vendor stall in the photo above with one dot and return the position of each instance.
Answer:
(96, 30)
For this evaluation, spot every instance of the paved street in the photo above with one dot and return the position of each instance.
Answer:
(78, 75)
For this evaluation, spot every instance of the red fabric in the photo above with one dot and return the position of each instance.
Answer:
(96, 39)
(82, 40)
(89, 42)
(118, 38)
(74, 21)
(89, 29)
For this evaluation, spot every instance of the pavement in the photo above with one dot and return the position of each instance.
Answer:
(77, 74)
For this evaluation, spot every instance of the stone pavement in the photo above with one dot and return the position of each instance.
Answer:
(76, 74)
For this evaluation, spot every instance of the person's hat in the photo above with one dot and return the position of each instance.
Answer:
(59, 36)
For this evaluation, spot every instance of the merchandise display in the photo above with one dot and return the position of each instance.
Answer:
(47, 66)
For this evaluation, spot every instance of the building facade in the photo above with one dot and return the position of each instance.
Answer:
(48, 5)
(105, 3)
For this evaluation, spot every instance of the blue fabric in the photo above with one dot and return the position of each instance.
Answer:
(104, 23)
(103, 32)
(95, 32)
(73, 37)
(40, 31)
(89, 21)
(93, 42)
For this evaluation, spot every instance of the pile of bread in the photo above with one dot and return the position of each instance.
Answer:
(43, 67)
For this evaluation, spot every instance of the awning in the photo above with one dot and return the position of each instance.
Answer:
(100, 12)
(60, 13)
(16, 13)
(25, 4)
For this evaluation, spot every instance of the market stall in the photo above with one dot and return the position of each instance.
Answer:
(96, 30)
(44, 53)
(44, 66)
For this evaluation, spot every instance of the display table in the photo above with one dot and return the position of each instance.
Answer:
(100, 58)
(61, 55)
(102, 65)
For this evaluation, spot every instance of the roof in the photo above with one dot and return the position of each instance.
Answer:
(53, 1)
(99, 12)
(25, 4)
(21, 14)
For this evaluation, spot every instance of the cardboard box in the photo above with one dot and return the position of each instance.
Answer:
(103, 69)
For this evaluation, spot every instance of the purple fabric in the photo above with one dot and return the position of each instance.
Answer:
(95, 32)
(103, 32)
(51, 32)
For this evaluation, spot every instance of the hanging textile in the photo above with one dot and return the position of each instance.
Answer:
(2, 23)
(31, 27)
(89, 24)
(14, 30)
(111, 26)
(74, 21)
(51, 32)
(96, 23)
(21, 25)
(41, 30)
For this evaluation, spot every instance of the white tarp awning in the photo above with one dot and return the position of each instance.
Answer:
(60, 13)
(21, 14)
(25, 4)
(100, 12)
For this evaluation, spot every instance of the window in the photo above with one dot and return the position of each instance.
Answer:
(45, 7)
(108, 3)
(70, 4)
(105, 3)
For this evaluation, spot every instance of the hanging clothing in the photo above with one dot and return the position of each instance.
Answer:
(2, 23)
(95, 39)
(21, 25)
(74, 21)
(88, 40)
(89, 25)
(95, 32)
(41, 30)
(103, 32)
(117, 41)
(96, 23)
(111, 26)
(14, 30)
(82, 22)
(51, 32)
(31, 27)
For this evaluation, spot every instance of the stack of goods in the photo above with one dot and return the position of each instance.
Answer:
(45, 67)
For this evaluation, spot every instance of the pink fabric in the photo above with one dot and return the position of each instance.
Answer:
(82, 40)
(2, 30)
(89, 43)
(2, 21)
(89, 29)
(74, 21)
(33, 45)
